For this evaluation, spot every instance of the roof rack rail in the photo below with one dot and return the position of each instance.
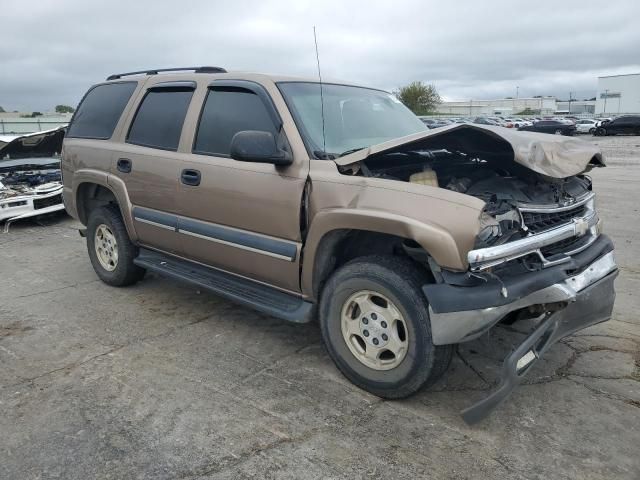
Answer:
(155, 71)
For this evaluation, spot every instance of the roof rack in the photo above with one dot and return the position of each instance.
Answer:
(155, 71)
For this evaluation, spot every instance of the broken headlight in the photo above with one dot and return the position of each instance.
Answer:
(489, 232)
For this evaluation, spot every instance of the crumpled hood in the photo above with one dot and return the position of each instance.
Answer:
(551, 155)
(47, 143)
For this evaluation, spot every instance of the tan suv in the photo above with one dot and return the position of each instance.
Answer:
(285, 194)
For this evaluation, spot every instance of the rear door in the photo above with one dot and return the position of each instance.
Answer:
(148, 163)
(242, 217)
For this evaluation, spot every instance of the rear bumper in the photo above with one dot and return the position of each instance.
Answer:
(590, 306)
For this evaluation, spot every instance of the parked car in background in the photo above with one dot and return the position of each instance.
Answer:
(586, 125)
(429, 122)
(625, 125)
(30, 176)
(603, 120)
(551, 126)
(485, 121)
(435, 122)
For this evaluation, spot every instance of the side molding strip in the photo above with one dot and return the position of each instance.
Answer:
(153, 217)
(238, 238)
(232, 237)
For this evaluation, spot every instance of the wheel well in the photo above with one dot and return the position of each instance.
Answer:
(340, 246)
(91, 196)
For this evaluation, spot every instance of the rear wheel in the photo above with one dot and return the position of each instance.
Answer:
(375, 325)
(110, 250)
(601, 132)
(592, 131)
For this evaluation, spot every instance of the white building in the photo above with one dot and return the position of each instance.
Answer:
(618, 94)
(503, 106)
(14, 123)
(576, 107)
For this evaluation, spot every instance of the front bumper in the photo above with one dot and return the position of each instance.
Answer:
(568, 298)
(30, 205)
(591, 305)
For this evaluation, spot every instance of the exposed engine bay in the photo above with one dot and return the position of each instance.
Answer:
(520, 201)
(30, 176)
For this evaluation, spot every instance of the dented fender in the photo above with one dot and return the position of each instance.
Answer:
(443, 222)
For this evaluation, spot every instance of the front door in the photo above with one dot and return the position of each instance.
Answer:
(242, 217)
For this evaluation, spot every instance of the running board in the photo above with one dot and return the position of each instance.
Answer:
(246, 292)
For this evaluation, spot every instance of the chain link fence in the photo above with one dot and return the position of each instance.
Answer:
(20, 126)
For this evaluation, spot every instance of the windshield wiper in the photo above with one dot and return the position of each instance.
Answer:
(351, 151)
(322, 155)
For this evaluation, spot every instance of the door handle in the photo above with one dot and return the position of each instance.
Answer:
(124, 165)
(190, 177)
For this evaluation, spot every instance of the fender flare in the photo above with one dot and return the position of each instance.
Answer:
(115, 185)
(438, 242)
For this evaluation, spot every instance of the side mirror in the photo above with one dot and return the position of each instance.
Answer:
(257, 146)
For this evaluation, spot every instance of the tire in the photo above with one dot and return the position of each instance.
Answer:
(601, 132)
(397, 281)
(592, 131)
(558, 132)
(106, 227)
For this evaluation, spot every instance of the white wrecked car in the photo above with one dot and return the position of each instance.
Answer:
(30, 176)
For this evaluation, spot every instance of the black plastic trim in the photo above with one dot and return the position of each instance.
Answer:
(156, 217)
(186, 85)
(593, 305)
(238, 237)
(260, 297)
(241, 238)
(445, 298)
(155, 71)
(255, 88)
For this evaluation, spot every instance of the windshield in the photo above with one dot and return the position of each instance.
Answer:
(354, 117)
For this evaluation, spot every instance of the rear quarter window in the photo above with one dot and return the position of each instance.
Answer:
(100, 109)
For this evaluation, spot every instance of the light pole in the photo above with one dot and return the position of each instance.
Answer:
(570, 103)
(606, 95)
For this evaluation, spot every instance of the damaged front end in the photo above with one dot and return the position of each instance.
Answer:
(30, 176)
(538, 254)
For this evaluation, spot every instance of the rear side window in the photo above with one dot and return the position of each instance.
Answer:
(227, 111)
(100, 110)
(158, 121)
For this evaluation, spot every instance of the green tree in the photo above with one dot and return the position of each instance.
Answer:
(419, 97)
(36, 114)
(1, 110)
(64, 109)
(528, 111)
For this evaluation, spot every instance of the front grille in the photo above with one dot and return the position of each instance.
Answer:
(538, 222)
(39, 203)
(565, 245)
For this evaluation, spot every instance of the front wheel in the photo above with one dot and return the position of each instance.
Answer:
(601, 132)
(110, 249)
(375, 324)
(592, 131)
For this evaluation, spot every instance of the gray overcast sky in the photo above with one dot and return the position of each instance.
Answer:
(51, 51)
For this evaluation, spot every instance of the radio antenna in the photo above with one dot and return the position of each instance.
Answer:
(324, 140)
